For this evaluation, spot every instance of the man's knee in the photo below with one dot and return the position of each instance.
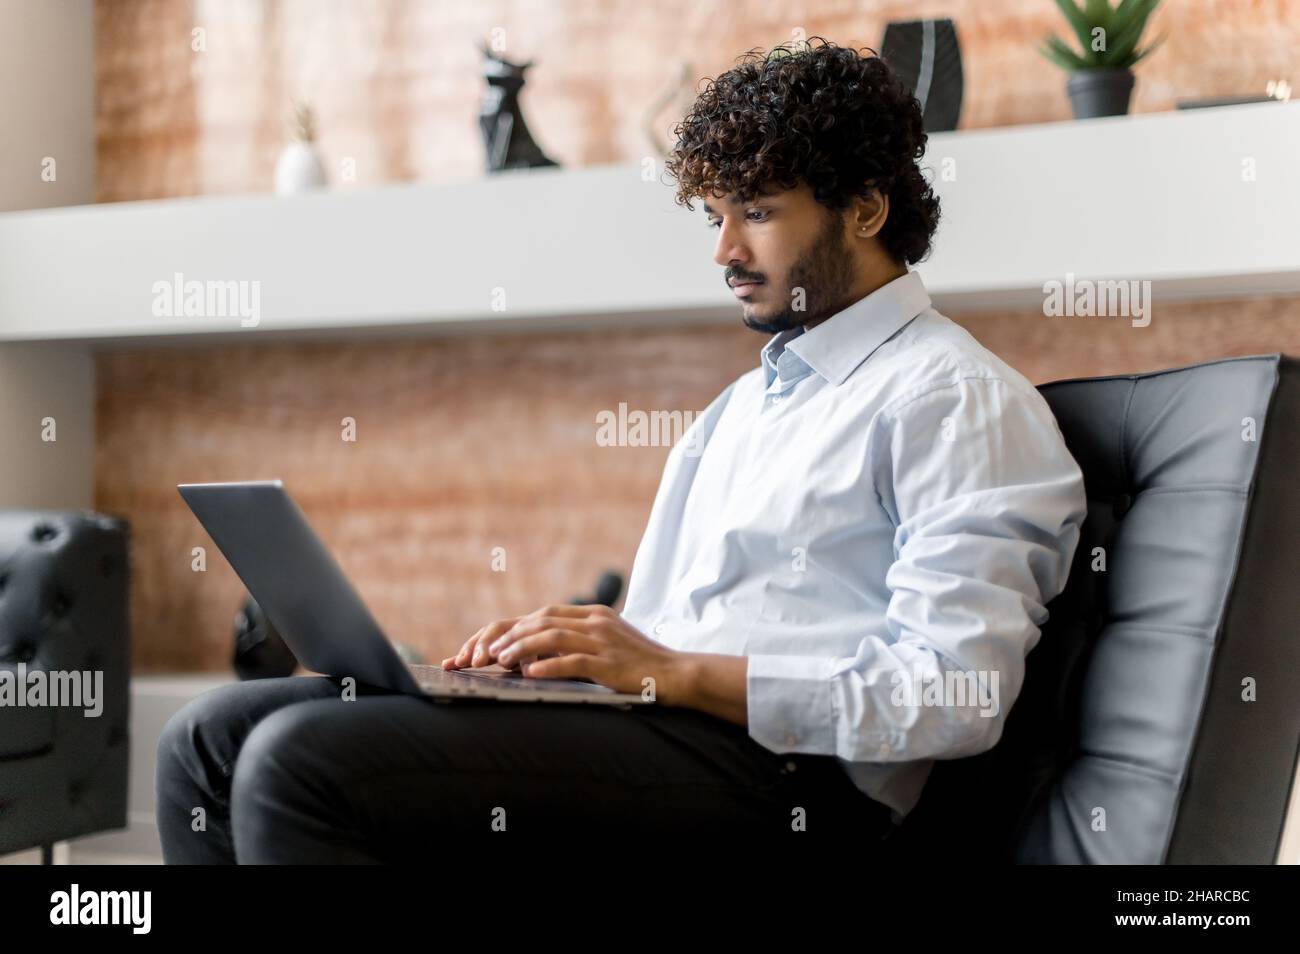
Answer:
(186, 737)
(210, 727)
(274, 753)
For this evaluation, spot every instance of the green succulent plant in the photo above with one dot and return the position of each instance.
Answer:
(1121, 27)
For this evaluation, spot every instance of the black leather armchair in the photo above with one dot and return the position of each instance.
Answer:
(1160, 720)
(63, 607)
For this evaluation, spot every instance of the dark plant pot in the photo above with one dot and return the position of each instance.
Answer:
(1099, 92)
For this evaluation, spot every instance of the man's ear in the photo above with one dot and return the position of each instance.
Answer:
(870, 213)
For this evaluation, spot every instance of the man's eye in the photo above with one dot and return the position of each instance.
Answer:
(717, 223)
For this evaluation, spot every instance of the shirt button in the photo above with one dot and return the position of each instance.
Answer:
(659, 628)
(776, 398)
(791, 738)
(886, 749)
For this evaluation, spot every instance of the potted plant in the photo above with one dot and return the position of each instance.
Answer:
(1101, 74)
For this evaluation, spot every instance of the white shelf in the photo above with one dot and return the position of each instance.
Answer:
(1156, 196)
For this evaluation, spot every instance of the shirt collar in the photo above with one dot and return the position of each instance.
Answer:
(836, 346)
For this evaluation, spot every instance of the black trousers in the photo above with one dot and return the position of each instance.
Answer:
(287, 771)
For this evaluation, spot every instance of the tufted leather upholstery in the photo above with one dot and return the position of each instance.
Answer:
(1133, 709)
(63, 606)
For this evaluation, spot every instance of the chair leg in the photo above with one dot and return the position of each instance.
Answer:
(56, 853)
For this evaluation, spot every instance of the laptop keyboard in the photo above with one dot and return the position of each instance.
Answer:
(469, 681)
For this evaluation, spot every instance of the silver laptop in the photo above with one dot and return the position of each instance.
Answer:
(307, 598)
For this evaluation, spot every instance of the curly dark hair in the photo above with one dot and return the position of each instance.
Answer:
(825, 115)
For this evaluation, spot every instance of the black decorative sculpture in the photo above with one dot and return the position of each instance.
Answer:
(926, 56)
(260, 651)
(506, 137)
(608, 589)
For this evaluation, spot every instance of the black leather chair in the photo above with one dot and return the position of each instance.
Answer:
(1160, 720)
(63, 606)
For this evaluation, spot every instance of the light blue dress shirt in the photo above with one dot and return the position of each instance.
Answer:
(881, 504)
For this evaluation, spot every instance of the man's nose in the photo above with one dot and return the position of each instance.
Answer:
(729, 251)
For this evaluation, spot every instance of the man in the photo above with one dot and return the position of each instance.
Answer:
(847, 560)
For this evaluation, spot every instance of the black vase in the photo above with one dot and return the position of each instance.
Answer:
(926, 56)
(1099, 92)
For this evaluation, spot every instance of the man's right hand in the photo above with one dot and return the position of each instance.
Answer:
(475, 650)
(476, 653)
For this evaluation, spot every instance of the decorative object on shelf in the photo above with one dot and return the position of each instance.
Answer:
(506, 139)
(260, 651)
(608, 589)
(1101, 75)
(675, 100)
(300, 168)
(926, 56)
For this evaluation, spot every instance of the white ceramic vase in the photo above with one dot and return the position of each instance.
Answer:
(299, 169)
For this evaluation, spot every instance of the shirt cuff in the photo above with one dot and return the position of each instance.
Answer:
(788, 702)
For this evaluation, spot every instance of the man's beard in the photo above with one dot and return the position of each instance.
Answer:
(825, 272)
